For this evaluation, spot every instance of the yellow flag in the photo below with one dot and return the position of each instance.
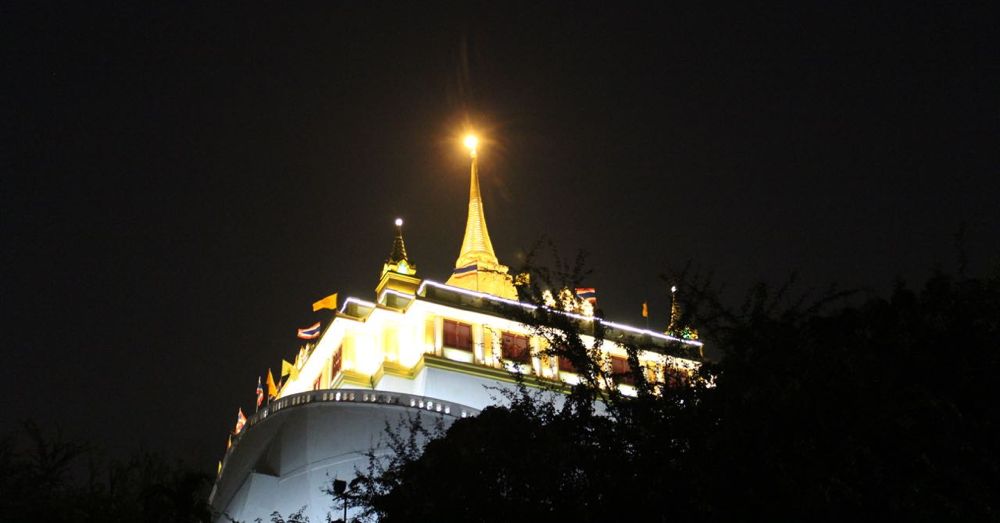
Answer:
(287, 369)
(330, 302)
(645, 310)
(219, 472)
(272, 389)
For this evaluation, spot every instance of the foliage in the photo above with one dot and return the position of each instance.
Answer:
(295, 517)
(403, 444)
(817, 409)
(880, 409)
(46, 478)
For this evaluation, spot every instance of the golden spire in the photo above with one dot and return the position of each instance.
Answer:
(675, 328)
(397, 271)
(397, 258)
(675, 310)
(476, 246)
(477, 267)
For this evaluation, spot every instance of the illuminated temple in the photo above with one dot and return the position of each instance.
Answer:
(416, 347)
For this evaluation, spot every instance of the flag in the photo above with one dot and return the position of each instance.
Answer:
(287, 369)
(260, 393)
(240, 421)
(310, 333)
(330, 302)
(588, 294)
(645, 310)
(219, 471)
(272, 390)
(229, 442)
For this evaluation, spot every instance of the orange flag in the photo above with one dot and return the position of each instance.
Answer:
(272, 389)
(330, 302)
(645, 310)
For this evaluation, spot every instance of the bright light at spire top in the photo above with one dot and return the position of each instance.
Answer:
(471, 142)
(399, 222)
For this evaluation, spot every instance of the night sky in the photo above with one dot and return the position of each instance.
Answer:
(180, 183)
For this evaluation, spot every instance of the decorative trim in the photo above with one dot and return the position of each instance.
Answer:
(464, 270)
(482, 371)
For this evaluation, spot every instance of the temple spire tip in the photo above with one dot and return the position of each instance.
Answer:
(398, 260)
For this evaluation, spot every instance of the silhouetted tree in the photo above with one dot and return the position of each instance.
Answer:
(880, 409)
(46, 478)
(817, 409)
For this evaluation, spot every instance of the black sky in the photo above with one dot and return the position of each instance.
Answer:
(180, 182)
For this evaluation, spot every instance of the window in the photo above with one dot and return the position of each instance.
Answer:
(621, 371)
(335, 364)
(674, 377)
(457, 335)
(317, 383)
(515, 347)
(565, 365)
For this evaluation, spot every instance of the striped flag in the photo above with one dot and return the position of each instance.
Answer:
(588, 294)
(310, 333)
(260, 392)
(240, 421)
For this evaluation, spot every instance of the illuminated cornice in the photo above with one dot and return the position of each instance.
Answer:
(342, 313)
(421, 292)
(355, 300)
(528, 306)
(389, 292)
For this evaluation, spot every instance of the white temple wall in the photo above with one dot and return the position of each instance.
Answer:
(284, 461)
